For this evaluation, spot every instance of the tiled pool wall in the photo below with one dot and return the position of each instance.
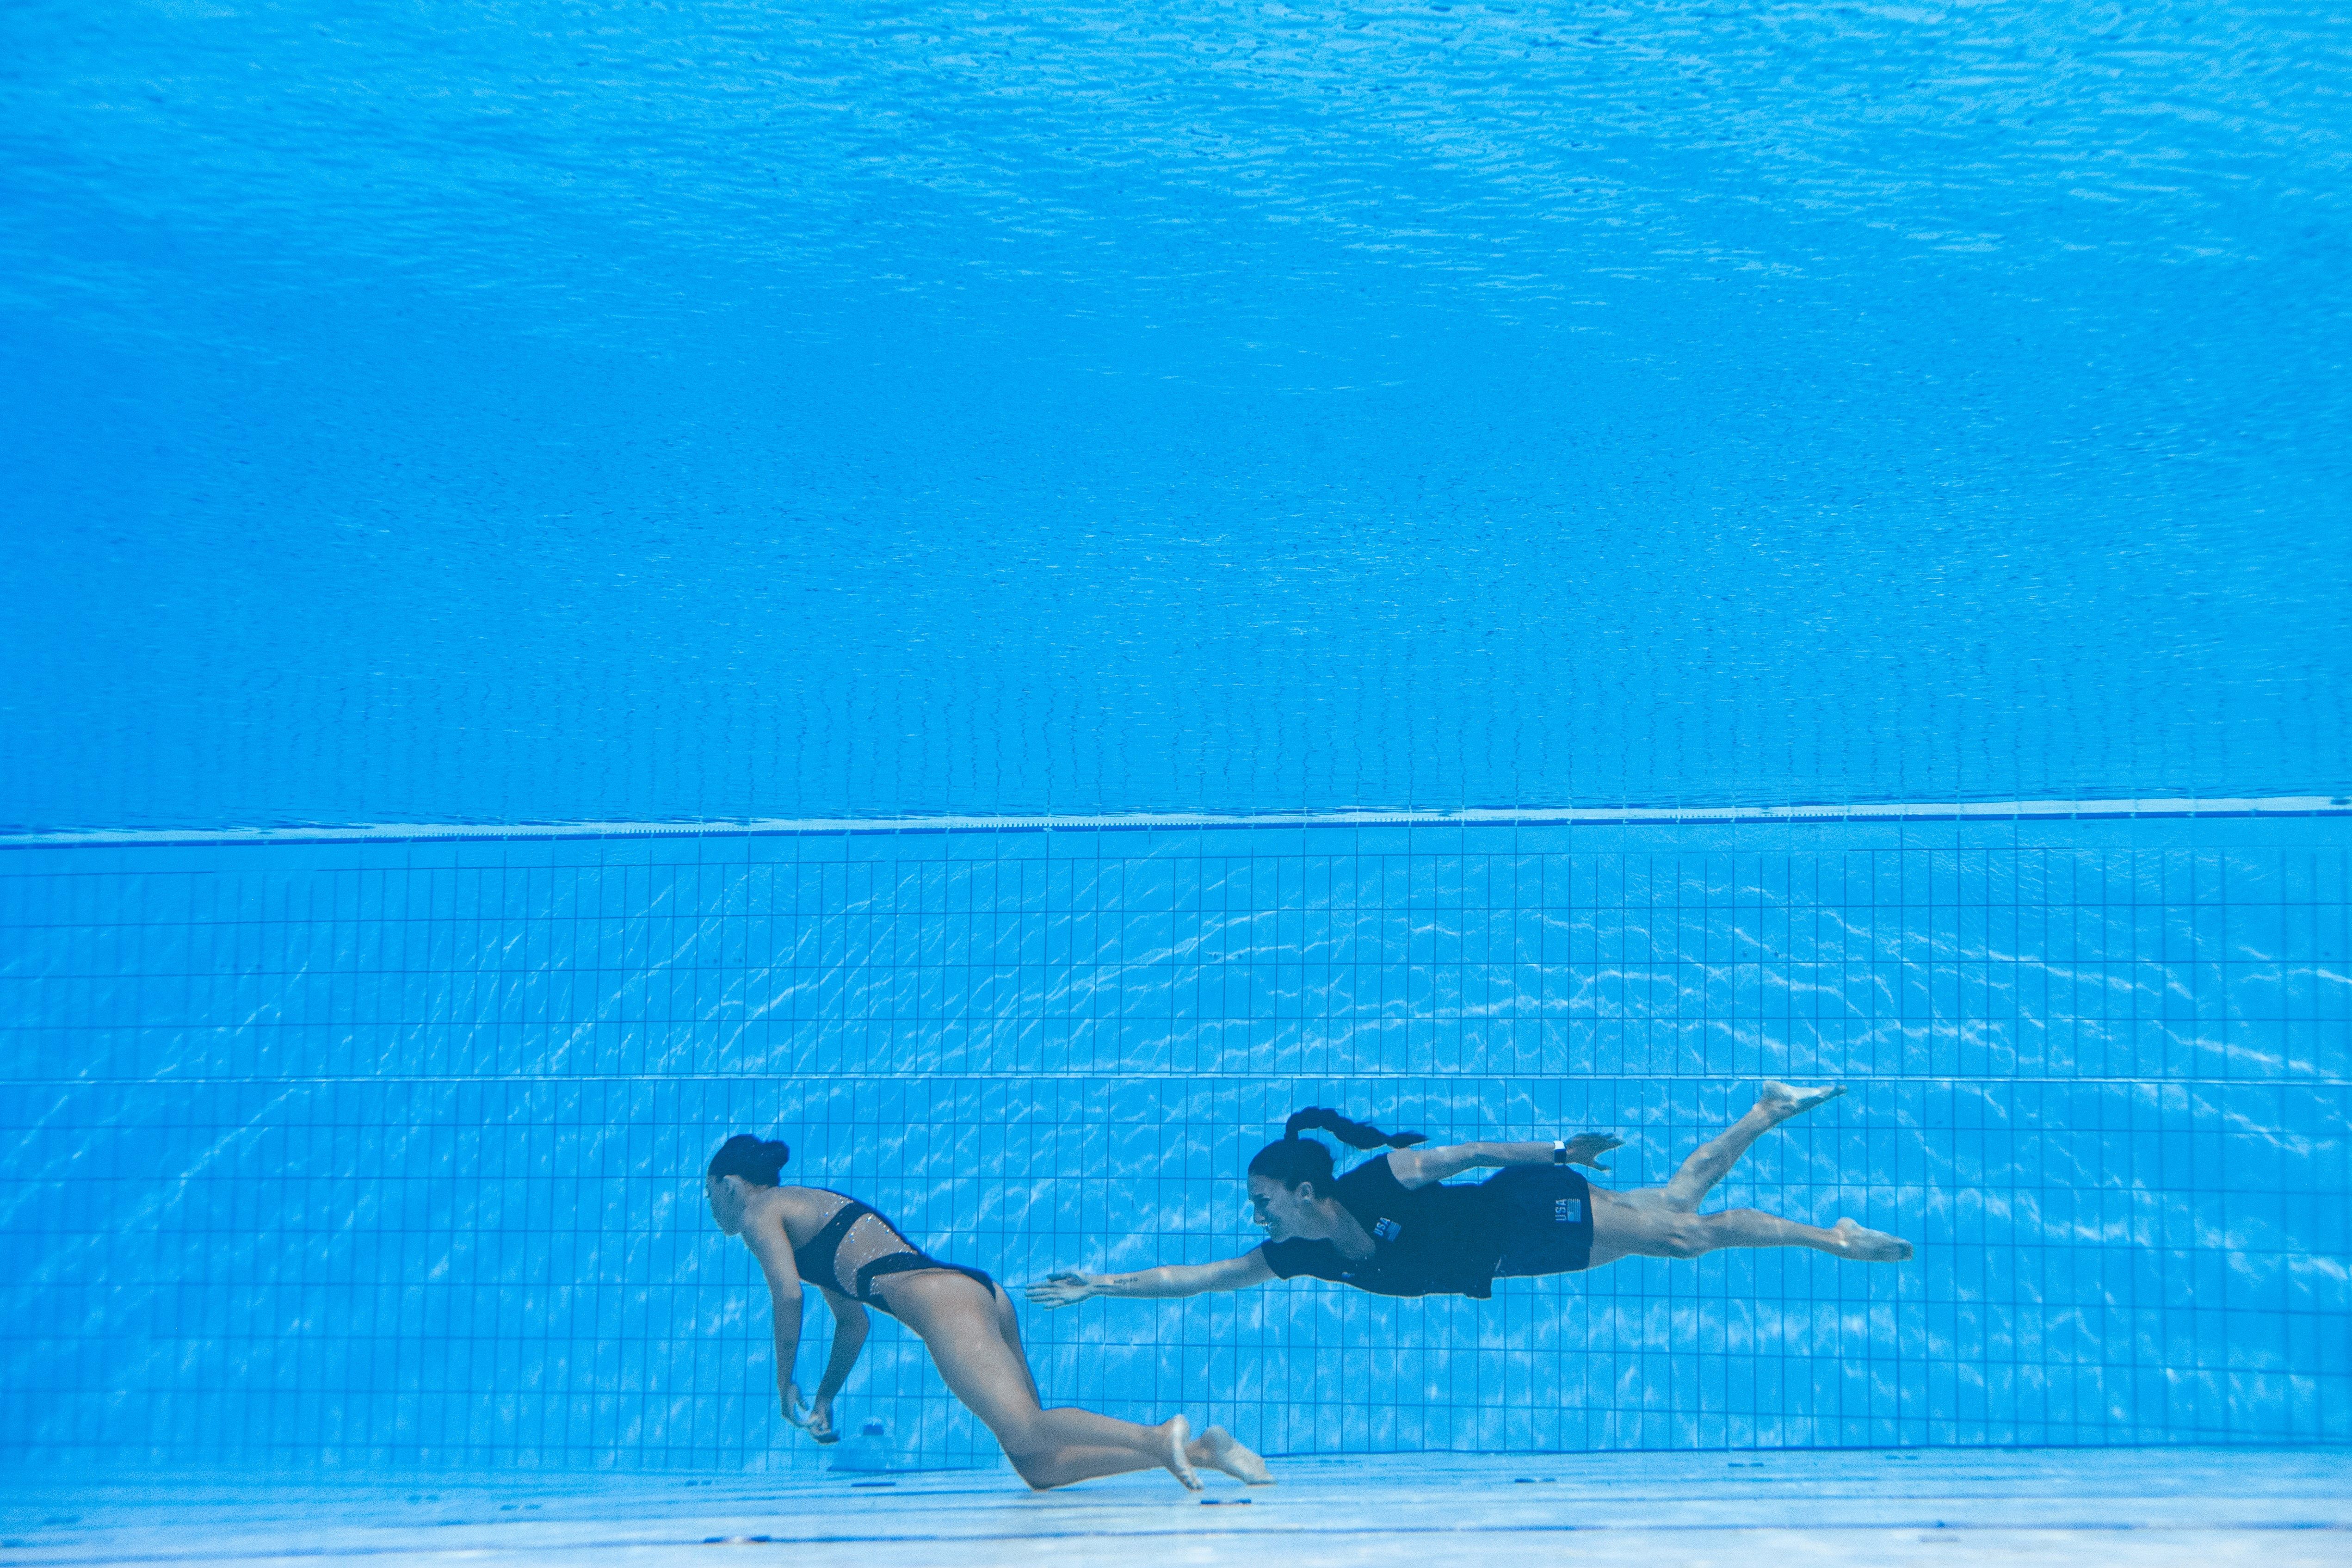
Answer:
(388, 1153)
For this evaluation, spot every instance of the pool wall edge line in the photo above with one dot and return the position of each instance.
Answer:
(2315, 806)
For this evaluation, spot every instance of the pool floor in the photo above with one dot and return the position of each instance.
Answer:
(2280, 1509)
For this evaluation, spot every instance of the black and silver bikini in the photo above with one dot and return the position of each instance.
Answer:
(819, 1261)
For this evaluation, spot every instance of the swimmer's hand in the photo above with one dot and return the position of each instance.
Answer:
(1586, 1148)
(815, 1420)
(1062, 1290)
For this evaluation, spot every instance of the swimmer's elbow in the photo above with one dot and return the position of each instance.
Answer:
(1172, 1280)
(1238, 1273)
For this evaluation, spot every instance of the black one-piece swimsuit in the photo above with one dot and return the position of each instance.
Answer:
(1451, 1240)
(816, 1261)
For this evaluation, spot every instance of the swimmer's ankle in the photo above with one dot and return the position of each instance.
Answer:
(1175, 1435)
(1781, 1101)
(1860, 1243)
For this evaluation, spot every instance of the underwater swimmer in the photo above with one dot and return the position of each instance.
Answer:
(859, 1259)
(1389, 1227)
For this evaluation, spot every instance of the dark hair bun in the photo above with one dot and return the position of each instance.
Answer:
(758, 1161)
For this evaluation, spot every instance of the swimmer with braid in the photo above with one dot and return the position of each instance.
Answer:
(856, 1259)
(1389, 1226)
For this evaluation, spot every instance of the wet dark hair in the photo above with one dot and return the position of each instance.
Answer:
(757, 1160)
(1294, 1159)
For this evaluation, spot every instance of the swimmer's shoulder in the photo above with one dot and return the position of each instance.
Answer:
(805, 1210)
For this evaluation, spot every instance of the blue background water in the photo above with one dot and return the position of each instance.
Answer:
(586, 413)
(388, 1153)
(561, 411)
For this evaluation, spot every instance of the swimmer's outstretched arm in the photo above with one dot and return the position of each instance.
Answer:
(1169, 1280)
(1418, 1167)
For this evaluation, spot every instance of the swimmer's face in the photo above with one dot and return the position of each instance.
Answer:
(1283, 1211)
(725, 1195)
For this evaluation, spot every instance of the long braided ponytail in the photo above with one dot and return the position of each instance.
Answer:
(1295, 1158)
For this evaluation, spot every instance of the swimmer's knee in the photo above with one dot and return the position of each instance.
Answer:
(1023, 1435)
(1688, 1238)
(1032, 1469)
(1654, 1200)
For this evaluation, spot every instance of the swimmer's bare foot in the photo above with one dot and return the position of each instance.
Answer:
(1781, 1101)
(1176, 1433)
(1870, 1246)
(1217, 1449)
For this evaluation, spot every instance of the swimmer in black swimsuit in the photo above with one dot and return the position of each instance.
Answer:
(1388, 1226)
(859, 1259)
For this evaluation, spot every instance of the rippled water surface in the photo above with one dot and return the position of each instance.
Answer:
(547, 412)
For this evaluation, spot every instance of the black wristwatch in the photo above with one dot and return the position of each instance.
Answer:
(1559, 1150)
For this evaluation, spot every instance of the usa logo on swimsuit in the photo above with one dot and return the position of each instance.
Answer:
(1388, 1230)
(1567, 1211)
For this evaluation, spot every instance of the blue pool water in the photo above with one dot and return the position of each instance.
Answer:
(564, 411)
(796, 430)
(388, 1154)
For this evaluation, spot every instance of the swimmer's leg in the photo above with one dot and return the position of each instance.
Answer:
(957, 1322)
(1775, 1103)
(1009, 1326)
(1214, 1449)
(1621, 1228)
(1661, 1222)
